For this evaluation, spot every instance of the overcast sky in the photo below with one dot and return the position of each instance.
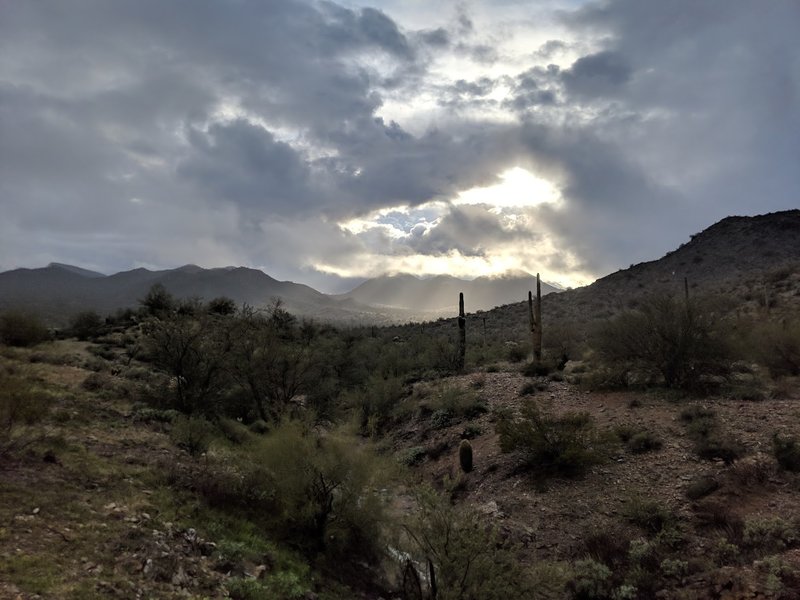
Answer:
(329, 140)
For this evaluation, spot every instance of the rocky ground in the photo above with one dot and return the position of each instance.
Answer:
(551, 517)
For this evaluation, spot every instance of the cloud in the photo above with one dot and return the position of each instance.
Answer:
(249, 132)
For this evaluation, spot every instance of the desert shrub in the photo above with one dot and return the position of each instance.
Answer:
(441, 418)
(411, 457)
(787, 452)
(96, 382)
(770, 534)
(648, 514)
(719, 446)
(192, 352)
(146, 414)
(675, 340)
(20, 328)
(104, 351)
(456, 401)
(643, 441)
(516, 353)
(777, 346)
(260, 427)
(193, 434)
(608, 545)
(325, 491)
(374, 402)
(221, 305)
(471, 431)
(674, 568)
(86, 324)
(23, 406)
(563, 445)
(537, 369)
(591, 580)
(709, 441)
(158, 301)
(529, 388)
(636, 440)
(465, 558)
(701, 487)
(233, 431)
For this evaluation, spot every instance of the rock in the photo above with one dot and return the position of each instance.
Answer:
(260, 571)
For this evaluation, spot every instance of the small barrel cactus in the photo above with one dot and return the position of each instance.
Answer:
(465, 456)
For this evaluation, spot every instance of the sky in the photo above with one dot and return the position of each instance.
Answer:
(327, 142)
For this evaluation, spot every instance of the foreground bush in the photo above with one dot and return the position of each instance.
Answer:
(454, 555)
(566, 445)
(325, 491)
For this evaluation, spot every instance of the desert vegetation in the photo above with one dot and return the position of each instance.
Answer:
(279, 457)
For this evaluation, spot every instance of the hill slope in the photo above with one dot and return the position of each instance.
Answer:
(440, 293)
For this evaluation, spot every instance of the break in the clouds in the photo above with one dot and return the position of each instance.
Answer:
(326, 140)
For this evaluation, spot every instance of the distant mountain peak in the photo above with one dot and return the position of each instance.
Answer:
(75, 270)
(190, 268)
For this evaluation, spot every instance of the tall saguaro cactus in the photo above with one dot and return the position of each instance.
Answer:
(535, 314)
(462, 331)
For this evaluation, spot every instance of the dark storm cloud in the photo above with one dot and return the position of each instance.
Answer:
(597, 74)
(159, 129)
(243, 163)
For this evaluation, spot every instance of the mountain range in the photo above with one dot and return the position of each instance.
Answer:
(59, 291)
(745, 258)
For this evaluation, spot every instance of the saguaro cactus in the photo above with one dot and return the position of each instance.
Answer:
(535, 314)
(462, 331)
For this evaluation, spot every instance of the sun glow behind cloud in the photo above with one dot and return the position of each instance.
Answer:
(517, 187)
(392, 237)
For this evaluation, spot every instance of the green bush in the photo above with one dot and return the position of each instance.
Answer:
(193, 434)
(787, 452)
(674, 340)
(411, 457)
(20, 328)
(769, 535)
(650, 515)
(564, 445)
(325, 491)
(777, 346)
(591, 580)
(465, 557)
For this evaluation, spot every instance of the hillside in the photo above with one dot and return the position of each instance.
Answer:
(59, 291)
(440, 294)
(746, 262)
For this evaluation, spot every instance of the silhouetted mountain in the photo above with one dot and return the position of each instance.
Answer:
(59, 291)
(440, 293)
